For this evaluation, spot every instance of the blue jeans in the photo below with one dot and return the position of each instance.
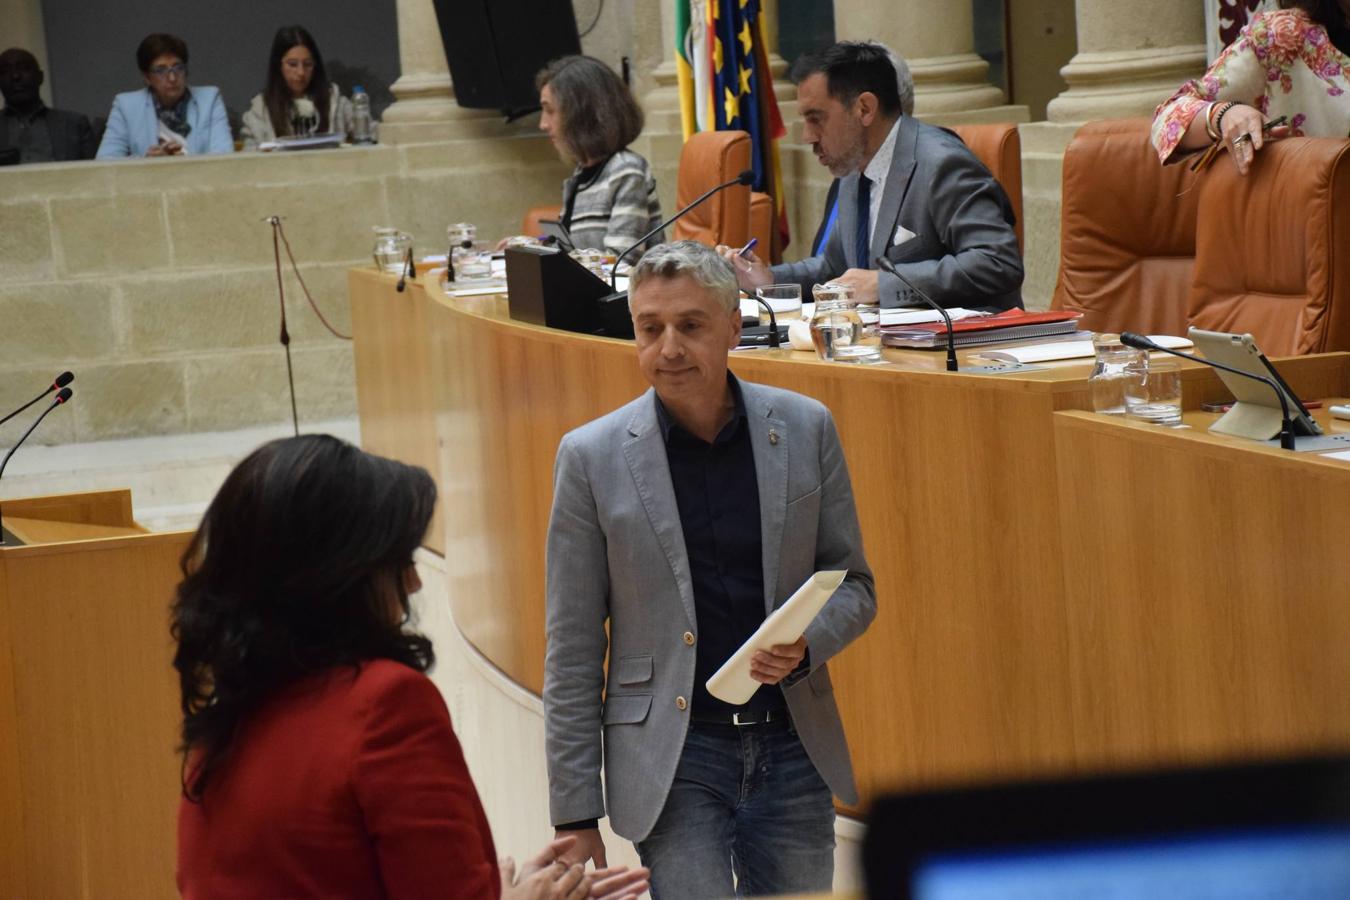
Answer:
(750, 803)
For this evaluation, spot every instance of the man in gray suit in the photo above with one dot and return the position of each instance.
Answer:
(680, 521)
(909, 191)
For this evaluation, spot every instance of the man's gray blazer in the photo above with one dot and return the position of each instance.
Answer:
(616, 553)
(964, 251)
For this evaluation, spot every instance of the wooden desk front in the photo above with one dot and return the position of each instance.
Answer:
(1210, 588)
(88, 702)
(966, 672)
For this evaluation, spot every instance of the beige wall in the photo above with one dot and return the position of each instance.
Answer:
(154, 281)
(1042, 38)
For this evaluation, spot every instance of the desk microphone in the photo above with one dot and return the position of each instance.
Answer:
(1139, 342)
(747, 178)
(62, 396)
(409, 271)
(773, 322)
(61, 381)
(887, 266)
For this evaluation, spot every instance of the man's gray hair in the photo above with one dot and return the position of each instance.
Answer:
(904, 81)
(698, 261)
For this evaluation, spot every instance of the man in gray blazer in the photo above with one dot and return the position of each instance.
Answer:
(679, 522)
(909, 191)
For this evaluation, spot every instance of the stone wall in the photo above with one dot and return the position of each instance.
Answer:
(154, 281)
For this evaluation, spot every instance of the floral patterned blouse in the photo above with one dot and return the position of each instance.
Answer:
(1283, 64)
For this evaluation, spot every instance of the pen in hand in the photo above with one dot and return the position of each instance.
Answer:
(749, 245)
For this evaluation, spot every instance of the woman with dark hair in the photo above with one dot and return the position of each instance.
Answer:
(319, 759)
(166, 118)
(588, 112)
(299, 100)
(1291, 62)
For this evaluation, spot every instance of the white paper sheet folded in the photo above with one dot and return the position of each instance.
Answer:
(732, 683)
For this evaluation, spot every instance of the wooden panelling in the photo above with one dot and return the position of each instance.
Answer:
(88, 719)
(1210, 593)
(968, 670)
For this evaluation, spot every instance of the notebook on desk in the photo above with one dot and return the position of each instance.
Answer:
(1009, 325)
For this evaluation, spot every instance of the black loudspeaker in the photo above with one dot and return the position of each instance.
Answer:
(495, 48)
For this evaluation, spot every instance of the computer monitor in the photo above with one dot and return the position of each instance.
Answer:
(1279, 830)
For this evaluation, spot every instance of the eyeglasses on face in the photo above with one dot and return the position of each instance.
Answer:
(178, 70)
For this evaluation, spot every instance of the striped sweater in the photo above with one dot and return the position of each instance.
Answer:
(618, 206)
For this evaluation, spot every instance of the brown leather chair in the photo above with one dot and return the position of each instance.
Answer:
(1273, 248)
(1127, 232)
(530, 225)
(707, 159)
(999, 147)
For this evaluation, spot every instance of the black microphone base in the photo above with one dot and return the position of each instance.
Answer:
(1310, 443)
(8, 538)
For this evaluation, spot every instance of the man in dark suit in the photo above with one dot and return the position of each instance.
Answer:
(30, 131)
(909, 191)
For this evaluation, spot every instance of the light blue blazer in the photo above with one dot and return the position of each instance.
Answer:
(133, 127)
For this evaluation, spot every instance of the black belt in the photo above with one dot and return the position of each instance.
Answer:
(764, 719)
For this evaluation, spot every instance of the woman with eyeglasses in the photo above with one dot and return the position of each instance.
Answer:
(299, 100)
(320, 760)
(166, 118)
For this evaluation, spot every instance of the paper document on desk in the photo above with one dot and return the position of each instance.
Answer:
(921, 316)
(1071, 349)
(732, 683)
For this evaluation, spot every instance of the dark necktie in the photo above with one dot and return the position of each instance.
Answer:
(863, 257)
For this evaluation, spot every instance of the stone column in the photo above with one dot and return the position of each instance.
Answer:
(23, 28)
(1119, 69)
(938, 41)
(425, 108)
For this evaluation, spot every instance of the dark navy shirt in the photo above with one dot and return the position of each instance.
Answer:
(718, 498)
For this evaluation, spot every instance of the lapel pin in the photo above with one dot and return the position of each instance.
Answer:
(773, 436)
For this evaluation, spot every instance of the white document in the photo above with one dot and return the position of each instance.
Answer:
(1074, 349)
(922, 316)
(732, 683)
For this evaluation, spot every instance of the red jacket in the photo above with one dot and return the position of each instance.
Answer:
(346, 784)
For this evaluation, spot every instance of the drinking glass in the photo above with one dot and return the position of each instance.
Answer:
(1154, 395)
(784, 299)
(391, 249)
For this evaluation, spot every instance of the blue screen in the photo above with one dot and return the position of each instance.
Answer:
(1289, 864)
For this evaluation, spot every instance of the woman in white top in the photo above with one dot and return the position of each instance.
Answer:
(299, 100)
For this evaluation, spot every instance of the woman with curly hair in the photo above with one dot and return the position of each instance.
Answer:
(1292, 62)
(319, 759)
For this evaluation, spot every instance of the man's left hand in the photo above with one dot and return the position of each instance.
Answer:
(863, 282)
(773, 665)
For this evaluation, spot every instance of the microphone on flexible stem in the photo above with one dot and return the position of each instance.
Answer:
(1140, 342)
(409, 271)
(773, 322)
(887, 266)
(747, 178)
(61, 397)
(61, 381)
